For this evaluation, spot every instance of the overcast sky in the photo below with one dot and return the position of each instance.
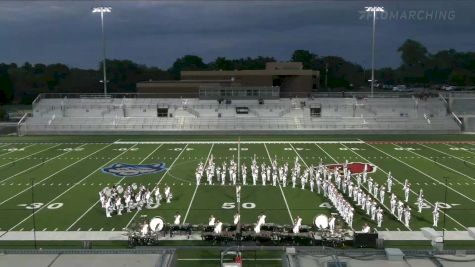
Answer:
(155, 33)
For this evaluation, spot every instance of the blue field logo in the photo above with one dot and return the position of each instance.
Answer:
(130, 170)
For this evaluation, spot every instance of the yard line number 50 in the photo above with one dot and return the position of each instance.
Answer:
(232, 205)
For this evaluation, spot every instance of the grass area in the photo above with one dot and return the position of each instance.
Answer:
(61, 176)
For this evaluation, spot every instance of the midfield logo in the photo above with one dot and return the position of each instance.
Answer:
(354, 167)
(129, 170)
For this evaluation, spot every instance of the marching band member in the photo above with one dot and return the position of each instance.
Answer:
(148, 198)
(168, 194)
(211, 220)
(420, 202)
(331, 223)
(393, 202)
(236, 218)
(261, 219)
(435, 214)
(407, 216)
(298, 223)
(366, 228)
(223, 176)
(244, 174)
(102, 198)
(389, 182)
(238, 193)
(400, 209)
(145, 228)
(379, 217)
(109, 207)
(118, 205)
(407, 189)
(218, 227)
(177, 218)
(382, 191)
(158, 196)
(138, 200)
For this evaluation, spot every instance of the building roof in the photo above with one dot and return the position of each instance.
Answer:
(266, 72)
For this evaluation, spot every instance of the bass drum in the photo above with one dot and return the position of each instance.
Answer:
(156, 224)
(321, 221)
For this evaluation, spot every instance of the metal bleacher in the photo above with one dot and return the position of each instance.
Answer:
(73, 114)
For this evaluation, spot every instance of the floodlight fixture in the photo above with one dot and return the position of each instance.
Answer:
(103, 10)
(373, 9)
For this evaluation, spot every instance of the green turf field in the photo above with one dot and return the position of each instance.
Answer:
(61, 178)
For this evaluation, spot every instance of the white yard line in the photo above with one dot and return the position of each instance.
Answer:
(438, 163)
(234, 142)
(34, 166)
(1, 155)
(469, 151)
(196, 188)
(48, 177)
(74, 185)
(425, 174)
(28, 156)
(448, 216)
(450, 155)
(324, 151)
(281, 190)
(159, 181)
(97, 202)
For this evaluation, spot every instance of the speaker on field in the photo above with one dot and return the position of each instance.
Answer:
(365, 240)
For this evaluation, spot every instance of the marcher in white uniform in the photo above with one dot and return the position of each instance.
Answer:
(379, 217)
(212, 220)
(389, 182)
(407, 190)
(218, 227)
(236, 218)
(420, 202)
(407, 216)
(177, 219)
(238, 194)
(331, 223)
(435, 215)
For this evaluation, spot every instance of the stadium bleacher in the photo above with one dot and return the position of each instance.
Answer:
(110, 114)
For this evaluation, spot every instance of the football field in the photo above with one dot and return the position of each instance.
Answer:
(54, 185)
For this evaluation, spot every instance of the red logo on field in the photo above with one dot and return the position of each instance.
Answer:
(354, 167)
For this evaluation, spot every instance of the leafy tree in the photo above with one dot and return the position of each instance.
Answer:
(6, 86)
(415, 59)
(188, 62)
(308, 59)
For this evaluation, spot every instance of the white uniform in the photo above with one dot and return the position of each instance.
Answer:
(177, 219)
(212, 220)
(435, 216)
(331, 224)
(420, 203)
(407, 216)
(218, 228)
(108, 207)
(236, 218)
(238, 194)
(297, 225)
(407, 189)
(379, 217)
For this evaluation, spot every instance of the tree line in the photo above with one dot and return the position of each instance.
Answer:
(21, 84)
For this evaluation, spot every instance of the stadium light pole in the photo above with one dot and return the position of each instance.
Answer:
(373, 9)
(103, 10)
